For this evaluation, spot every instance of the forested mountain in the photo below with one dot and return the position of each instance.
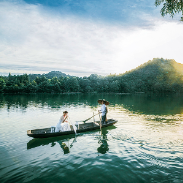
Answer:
(157, 75)
(49, 75)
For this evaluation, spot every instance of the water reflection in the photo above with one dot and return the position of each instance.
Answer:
(50, 100)
(137, 146)
(136, 103)
(52, 140)
(104, 147)
(103, 140)
(65, 145)
(150, 104)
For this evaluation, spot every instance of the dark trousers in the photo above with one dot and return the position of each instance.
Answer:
(103, 119)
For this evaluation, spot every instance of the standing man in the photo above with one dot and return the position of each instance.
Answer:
(103, 111)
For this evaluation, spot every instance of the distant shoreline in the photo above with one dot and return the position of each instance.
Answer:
(156, 76)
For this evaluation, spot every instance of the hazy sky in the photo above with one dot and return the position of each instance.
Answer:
(83, 37)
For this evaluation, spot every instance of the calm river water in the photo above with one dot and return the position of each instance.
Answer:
(146, 145)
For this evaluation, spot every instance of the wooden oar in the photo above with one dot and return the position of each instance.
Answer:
(88, 118)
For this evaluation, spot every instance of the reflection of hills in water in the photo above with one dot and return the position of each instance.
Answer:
(50, 100)
(137, 103)
(153, 104)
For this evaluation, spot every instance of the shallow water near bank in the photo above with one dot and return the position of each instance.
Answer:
(146, 145)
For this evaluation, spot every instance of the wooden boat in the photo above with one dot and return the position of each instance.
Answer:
(46, 132)
(36, 142)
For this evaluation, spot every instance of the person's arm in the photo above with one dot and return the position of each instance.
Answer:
(100, 110)
(62, 119)
(65, 119)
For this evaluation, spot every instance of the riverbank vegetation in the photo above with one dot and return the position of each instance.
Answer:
(157, 75)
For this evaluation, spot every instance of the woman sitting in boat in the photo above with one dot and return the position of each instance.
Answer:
(63, 124)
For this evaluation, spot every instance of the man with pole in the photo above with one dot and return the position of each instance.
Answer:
(103, 112)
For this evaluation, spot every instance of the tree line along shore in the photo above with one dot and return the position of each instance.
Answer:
(158, 75)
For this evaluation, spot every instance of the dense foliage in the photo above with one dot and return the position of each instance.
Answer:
(170, 7)
(158, 75)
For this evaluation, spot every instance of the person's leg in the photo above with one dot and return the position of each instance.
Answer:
(103, 119)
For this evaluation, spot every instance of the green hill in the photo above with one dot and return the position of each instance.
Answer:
(157, 75)
(57, 74)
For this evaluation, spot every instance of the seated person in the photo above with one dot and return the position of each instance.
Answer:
(63, 124)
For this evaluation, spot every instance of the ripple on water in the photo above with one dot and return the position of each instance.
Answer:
(140, 148)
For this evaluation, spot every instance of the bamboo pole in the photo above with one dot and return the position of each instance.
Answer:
(100, 121)
(89, 118)
(93, 118)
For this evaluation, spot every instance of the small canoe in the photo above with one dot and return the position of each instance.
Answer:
(47, 132)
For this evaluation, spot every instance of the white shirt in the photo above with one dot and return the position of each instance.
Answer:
(103, 109)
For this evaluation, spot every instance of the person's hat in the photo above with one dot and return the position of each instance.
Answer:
(104, 101)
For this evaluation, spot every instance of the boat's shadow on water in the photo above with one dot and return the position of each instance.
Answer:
(45, 141)
(36, 142)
